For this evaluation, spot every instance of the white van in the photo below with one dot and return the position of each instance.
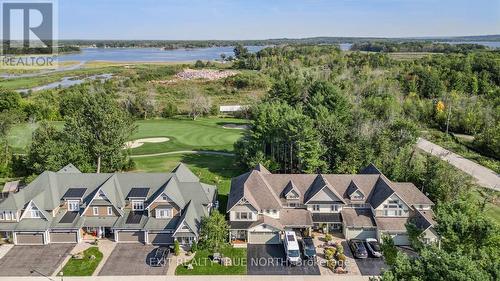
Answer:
(292, 249)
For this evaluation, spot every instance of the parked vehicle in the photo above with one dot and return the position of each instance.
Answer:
(292, 249)
(358, 249)
(159, 257)
(308, 248)
(373, 247)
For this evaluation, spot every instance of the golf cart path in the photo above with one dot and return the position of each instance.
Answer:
(184, 152)
(484, 176)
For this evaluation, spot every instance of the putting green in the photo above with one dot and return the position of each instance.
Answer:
(183, 134)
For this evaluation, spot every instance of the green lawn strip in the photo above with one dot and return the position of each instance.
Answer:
(184, 134)
(491, 209)
(212, 169)
(85, 266)
(202, 264)
(460, 147)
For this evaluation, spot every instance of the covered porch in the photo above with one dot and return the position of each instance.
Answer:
(327, 223)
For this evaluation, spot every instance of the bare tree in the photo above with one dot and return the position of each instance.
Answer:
(199, 105)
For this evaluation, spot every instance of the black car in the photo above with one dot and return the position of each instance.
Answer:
(358, 249)
(308, 248)
(159, 257)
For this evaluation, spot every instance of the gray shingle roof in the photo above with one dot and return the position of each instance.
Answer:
(47, 191)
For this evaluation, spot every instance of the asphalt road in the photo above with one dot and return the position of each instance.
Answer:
(484, 176)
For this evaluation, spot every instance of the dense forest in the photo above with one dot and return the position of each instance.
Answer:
(174, 44)
(425, 46)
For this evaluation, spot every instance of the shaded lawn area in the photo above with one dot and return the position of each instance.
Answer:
(202, 264)
(184, 134)
(85, 266)
(212, 169)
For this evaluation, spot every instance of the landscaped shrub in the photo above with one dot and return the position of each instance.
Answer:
(329, 253)
(328, 237)
(194, 247)
(177, 248)
(340, 249)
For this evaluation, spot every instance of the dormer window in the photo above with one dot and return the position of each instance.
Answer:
(164, 197)
(138, 205)
(73, 205)
(35, 214)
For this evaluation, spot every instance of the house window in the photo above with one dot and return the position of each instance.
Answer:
(2, 216)
(292, 205)
(73, 205)
(8, 216)
(110, 211)
(316, 207)
(334, 208)
(138, 205)
(95, 211)
(35, 214)
(275, 212)
(243, 215)
(164, 197)
(163, 213)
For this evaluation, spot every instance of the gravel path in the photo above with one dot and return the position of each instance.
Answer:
(484, 176)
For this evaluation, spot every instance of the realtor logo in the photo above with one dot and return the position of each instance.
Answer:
(28, 32)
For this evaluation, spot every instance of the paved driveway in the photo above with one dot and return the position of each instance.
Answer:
(41, 260)
(371, 266)
(131, 259)
(484, 176)
(271, 260)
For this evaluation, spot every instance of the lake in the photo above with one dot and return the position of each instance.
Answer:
(152, 54)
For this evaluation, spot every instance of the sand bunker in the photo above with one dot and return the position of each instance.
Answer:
(236, 126)
(140, 142)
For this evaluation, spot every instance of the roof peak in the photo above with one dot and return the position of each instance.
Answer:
(184, 174)
(370, 169)
(259, 167)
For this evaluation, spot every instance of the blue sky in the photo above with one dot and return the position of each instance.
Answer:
(260, 19)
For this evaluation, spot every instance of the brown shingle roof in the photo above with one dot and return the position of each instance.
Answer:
(266, 191)
(296, 218)
(410, 193)
(358, 217)
(391, 224)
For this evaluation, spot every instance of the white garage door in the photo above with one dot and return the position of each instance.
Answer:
(264, 238)
(29, 238)
(63, 237)
(360, 233)
(131, 236)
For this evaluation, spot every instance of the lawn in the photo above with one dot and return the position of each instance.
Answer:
(184, 134)
(85, 266)
(202, 264)
(212, 169)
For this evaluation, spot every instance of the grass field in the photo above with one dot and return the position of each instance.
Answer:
(184, 134)
(85, 266)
